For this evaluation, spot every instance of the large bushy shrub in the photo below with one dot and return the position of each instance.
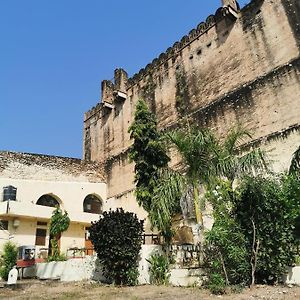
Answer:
(117, 239)
(8, 259)
(265, 210)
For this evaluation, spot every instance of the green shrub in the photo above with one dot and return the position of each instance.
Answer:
(265, 211)
(57, 257)
(159, 269)
(226, 253)
(8, 259)
(225, 248)
(117, 239)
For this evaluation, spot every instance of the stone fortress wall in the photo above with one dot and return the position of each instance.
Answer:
(239, 66)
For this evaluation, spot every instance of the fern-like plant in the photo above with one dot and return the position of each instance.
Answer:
(159, 269)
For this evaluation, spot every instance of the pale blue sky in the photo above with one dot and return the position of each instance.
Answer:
(54, 54)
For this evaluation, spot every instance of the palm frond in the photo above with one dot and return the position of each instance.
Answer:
(166, 198)
(253, 161)
(235, 137)
(295, 164)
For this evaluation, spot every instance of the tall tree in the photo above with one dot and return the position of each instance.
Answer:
(148, 153)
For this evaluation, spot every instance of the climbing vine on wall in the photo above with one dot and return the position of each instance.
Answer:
(182, 92)
(148, 93)
(59, 223)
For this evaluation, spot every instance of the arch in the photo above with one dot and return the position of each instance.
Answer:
(92, 204)
(49, 200)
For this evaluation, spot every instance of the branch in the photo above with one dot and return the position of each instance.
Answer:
(224, 268)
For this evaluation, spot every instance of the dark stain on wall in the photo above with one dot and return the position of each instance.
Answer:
(250, 14)
(87, 144)
(147, 93)
(182, 101)
(292, 10)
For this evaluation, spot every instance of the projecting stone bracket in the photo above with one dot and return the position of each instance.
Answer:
(108, 105)
(120, 96)
(232, 8)
(231, 13)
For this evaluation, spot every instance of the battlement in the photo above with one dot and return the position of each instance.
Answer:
(111, 92)
(211, 21)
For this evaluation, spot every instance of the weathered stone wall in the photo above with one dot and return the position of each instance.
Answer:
(49, 168)
(234, 68)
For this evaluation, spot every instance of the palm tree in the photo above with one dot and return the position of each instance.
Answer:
(203, 158)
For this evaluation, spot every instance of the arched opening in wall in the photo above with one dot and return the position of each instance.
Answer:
(48, 200)
(92, 204)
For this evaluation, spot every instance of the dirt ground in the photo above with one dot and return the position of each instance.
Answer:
(32, 290)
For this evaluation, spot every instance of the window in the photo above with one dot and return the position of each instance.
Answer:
(40, 239)
(9, 193)
(3, 225)
(92, 204)
(47, 200)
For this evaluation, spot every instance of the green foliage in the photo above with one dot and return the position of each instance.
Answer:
(8, 259)
(159, 269)
(217, 284)
(59, 223)
(147, 152)
(295, 164)
(265, 212)
(57, 257)
(290, 185)
(230, 163)
(117, 240)
(195, 147)
(205, 159)
(220, 195)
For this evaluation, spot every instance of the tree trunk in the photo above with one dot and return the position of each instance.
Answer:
(255, 249)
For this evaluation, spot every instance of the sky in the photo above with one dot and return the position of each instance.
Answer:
(55, 53)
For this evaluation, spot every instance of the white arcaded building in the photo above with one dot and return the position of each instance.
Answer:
(32, 185)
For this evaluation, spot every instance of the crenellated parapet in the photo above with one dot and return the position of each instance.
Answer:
(230, 9)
